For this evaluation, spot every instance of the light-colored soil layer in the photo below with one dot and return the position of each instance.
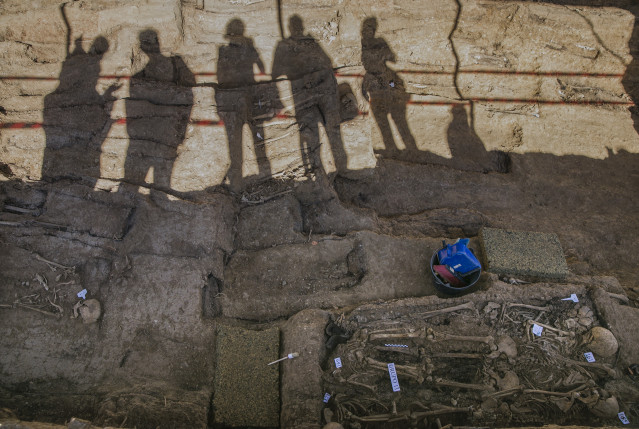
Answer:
(202, 161)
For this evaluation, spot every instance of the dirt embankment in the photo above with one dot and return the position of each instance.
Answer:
(187, 163)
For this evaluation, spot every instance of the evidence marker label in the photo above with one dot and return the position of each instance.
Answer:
(393, 377)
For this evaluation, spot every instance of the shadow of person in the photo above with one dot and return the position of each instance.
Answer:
(76, 117)
(303, 61)
(158, 110)
(235, 96)
(467, 149)
(630, 78)
(384, 89)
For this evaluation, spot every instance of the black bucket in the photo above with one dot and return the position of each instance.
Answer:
(448, 288)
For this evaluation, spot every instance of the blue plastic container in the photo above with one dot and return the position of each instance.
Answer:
(442, 285)
(458, 257)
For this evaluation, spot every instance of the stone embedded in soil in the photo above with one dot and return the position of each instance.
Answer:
(523, 253)
(246, 387)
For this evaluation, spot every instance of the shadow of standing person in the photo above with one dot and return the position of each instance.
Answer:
(467, 149)
(630, 79)
(76, 117)
(235, 96)
(303, 61)
(463, 141)
(158, 110)
(384, 89)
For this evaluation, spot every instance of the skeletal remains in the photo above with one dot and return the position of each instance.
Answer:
(427, 358)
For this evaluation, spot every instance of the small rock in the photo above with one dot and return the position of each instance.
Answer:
(570, 324)
(507, 345)
(585, 311)
(425, 394)
(489, 404)
(564, 404)
(328, 415)
(585, 321)
(491, 306)
(78, 424)
(508, 381)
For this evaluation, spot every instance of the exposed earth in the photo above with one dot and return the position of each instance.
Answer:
(184, 182)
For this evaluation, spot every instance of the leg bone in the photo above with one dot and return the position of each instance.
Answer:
(488, 340)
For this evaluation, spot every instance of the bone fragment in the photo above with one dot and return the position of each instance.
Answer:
(620, 297)
(464, 306)
(594, 365)
(550, 328)
(55, 264)
(410, 371)
(546, 392)
(413, 416)
(350, 380)
(60, 309)
(382, 335)
(443, 410)
(459, 355)
(47, 313)
(42, 280)
(488, 340)
(75, 309)
(530, 307)
(467, 386)
(505, 393)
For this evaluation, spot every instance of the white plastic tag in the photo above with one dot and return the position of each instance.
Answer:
(537, 330)
(395, 345)
(327, 396)
(589, 357)
(393, 377)
(82, 294)
(623, 418)
(290, 356)
(572, 298)
(338, 362)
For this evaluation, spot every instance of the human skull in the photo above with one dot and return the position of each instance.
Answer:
(601, 341)
(90, 311)
(606, 408)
